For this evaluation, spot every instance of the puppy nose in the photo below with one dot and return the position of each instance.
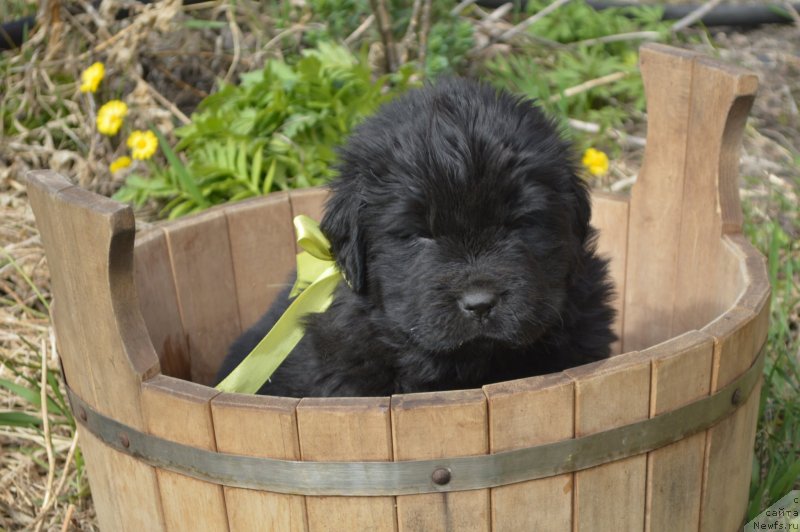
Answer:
(478, 302)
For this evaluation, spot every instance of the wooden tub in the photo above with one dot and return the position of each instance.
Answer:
(659, 437)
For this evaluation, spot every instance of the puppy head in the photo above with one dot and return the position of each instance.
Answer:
(458, 213)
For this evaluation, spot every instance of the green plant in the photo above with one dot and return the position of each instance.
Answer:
(449, 38)
(339, 17)
(577, 56)
(12, 9)
(24, 386)
(25, 112)
(29, 390)
(449, 43)
(776, 465)
(546, 78)
(578, 21)
(277, 129)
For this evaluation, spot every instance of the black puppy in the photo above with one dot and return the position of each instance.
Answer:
(459, 221)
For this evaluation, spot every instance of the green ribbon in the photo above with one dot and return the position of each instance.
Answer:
(317, 277)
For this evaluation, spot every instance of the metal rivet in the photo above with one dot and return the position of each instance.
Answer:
(441, 476)
(82, 413)
(736, 398)
(123, 439)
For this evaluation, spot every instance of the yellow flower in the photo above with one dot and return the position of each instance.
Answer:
(143, 144)
(119, 163)
(595, 161)
(110, 117)
(92, 76)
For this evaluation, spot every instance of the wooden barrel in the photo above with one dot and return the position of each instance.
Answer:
(658, 437)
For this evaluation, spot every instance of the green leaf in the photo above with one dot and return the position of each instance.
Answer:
(19, 419)
(186, 180)
(58, 397)
(26, 278)
(241, 162)
(256, 167)
(784, 483)
(243, 194)
(267, 187)
(244, 121)
(31, 395)
(181, 209)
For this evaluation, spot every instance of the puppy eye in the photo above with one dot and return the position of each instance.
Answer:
(401, 236)
(524, 221)
(420, 238)
(410, 234)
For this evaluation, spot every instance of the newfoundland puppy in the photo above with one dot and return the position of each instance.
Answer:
(463, 231)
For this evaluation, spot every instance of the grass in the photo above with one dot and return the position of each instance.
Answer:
(44, 122)
(776, 465)
(42, 469)
(15, 9)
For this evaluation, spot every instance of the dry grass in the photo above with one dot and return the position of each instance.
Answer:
(45, 122)
(33, 467)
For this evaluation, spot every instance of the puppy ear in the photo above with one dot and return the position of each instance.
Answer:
(581, 207)
(341, 225)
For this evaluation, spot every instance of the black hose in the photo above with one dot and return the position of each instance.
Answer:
(12, 34)
(723, 15)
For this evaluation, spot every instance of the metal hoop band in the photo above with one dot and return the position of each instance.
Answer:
(421, 476)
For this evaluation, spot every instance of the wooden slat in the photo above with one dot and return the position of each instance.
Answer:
(263, 252)
(158, 302)
(112, 474)
(43, 193)
(203, 271)
(309, 201)
(179, 411)
(728, 467)
(124, 491)
(681, 374)
(437, 425)
(610, 218)
(720, 102)
(99, 335)
(656, 198)
(734, 345)
(756, 295)
(686, 196)
(341, 429)
(524, 413)
(722, 291)
(609, 394)
(102, 338)
(97, 457)
(729, 445)
(263, 427)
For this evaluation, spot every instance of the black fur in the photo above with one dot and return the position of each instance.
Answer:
(451, 200)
